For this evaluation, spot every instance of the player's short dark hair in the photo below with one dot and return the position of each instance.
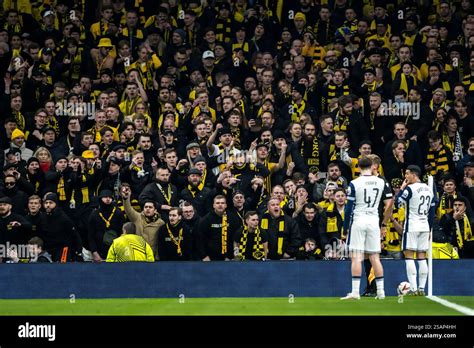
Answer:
(364, 163)
(414, 169)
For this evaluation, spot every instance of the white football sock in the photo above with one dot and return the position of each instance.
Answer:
(411, 273)
(380, 286)
(422, 273)
(356, 285)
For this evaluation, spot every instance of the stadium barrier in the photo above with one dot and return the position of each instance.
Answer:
(212, 279)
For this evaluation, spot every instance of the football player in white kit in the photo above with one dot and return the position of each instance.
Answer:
(419, 202)
(362, 225)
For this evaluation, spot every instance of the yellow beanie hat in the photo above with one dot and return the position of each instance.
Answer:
(17, 133)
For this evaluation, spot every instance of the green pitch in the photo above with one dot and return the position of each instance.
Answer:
(234, 306)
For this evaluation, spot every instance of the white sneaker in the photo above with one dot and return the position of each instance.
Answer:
(351, 296)
(380, 296)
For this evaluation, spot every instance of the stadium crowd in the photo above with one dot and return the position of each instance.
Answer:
(219, 130)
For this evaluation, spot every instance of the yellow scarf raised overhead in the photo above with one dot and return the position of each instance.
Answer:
(20, 120)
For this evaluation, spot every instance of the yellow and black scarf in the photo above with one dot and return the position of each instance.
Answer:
(20, 120)
(167, 195)
(331, 222)
(176, 240)
(407, 82)
(203, 180)
(310, 152)
(438, 160)
(392, 235)
(61, 189)
(467, 235)
(258, 253)
(446, 204)
(454, 145)
(281, 230)
(296, 111)
(223, 30)
(225, 226)
(194, 190)
(107, 221)
(341, 123)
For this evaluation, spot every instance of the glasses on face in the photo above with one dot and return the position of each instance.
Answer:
(10, 183)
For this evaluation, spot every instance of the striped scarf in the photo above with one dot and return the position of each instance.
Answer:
(446, 204)
(296, 111)
(60, 189)
(257, 244)
(454, 145)
(467, 236)
(224, 234)
(281, 230)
